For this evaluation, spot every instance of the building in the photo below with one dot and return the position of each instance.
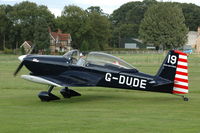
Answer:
(27, 45)
(197, 44)
(60, 42)
(193, 41)
(132, 43)
(191, 38)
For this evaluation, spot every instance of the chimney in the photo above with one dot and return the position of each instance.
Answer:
(59, 31)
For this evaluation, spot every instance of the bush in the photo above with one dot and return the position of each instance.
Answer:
(8, 51)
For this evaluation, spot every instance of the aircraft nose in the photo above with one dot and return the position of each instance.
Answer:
(21, 58)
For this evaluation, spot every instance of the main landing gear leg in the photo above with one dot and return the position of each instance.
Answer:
(47, 95)
(68, 93)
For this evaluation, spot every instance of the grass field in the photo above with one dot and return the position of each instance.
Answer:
(98, 110)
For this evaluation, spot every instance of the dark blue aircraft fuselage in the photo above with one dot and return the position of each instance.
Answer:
(93, 75)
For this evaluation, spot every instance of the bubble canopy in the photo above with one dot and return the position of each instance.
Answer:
(103, 59)
(97, 59)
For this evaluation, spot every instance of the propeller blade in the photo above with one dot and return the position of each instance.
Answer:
(19, 68)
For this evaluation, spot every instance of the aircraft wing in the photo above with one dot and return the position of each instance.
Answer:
(62, 81)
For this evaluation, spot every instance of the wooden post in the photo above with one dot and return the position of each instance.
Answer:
(4, 42)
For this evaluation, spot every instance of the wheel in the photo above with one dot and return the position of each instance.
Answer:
(186, 99)
(65, 93)
(68, 93)
(46, 96)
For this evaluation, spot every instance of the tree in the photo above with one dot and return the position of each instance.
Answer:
(163, 25)
(99, 33)
(126, 20)
(84, 46)
(74, 21)
(41, 35)
(5, 26)
(131, 12)
(87, 27)
(149, 2)
(191, 13)
(96, 9)
(26, 18)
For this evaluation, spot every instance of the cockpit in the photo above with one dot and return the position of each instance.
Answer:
(103, 59)
(97, 59)
(72, 56)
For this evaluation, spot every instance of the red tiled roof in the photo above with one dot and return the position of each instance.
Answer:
(60, 36)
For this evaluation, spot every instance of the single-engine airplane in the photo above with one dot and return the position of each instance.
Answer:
(104, 70)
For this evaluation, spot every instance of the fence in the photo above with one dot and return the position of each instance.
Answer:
(135, 52)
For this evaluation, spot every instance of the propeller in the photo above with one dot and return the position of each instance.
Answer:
(21, 58)
(18, 68)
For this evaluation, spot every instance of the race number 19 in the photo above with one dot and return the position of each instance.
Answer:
(171, 59)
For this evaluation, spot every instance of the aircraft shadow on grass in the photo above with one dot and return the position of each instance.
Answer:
(116, 98)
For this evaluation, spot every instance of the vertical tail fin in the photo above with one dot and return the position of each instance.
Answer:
(175, 68)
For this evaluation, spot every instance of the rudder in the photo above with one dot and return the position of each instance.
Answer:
(175, 68)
